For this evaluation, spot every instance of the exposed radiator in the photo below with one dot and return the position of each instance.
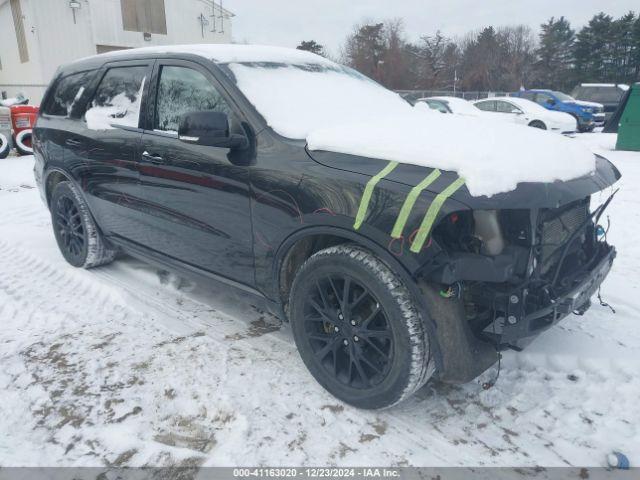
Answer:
(557, 227)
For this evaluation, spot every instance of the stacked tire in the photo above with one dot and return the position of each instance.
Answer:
(5, 146)
(23, 142)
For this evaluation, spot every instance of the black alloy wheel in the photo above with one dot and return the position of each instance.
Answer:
(357, 328)
(348, 331)
(70, 228)
(79, 239)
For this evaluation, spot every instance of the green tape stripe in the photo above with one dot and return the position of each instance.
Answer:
(432, 213)
(415, 192)
(368, 191)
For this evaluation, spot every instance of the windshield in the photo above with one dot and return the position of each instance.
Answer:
(296, 99)
(563, 97)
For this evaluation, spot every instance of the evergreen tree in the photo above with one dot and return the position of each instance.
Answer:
(555, 54)
(593, 50)
(482, 66)
(623, 48)
(313, 47)
(635, 53)
(365, 49)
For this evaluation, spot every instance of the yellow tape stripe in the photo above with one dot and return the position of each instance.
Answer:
(415, 192)
(368, 191)
(432, 213)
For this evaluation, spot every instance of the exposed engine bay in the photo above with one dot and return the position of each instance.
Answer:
(517, 272)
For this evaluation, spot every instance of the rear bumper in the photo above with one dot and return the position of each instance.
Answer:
(518, 330)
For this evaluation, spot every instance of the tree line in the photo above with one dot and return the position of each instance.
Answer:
(504, 58)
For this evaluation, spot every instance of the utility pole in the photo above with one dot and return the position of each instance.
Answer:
(455, 81)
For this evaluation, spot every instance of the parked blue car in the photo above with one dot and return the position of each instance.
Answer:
(588, 114)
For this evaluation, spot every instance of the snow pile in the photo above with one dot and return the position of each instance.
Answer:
(336, 109)
(16, 172)
(10, 102)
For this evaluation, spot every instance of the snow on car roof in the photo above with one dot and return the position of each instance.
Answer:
(619, 85)
(229, 53)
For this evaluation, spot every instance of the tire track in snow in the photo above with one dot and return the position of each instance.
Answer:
(72, 294)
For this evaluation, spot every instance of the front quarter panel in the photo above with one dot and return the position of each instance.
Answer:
(294, 196)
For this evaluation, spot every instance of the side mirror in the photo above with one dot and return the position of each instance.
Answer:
(551, 102)
(209, 129)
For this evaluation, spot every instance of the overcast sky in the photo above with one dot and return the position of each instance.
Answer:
(287, 22)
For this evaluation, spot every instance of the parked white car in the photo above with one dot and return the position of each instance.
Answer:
(526, 112)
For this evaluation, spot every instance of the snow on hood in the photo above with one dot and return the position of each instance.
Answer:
(337, 109)
(588, 104)
(492, 157)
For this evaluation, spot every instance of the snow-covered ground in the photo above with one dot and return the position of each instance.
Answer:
(128, 365)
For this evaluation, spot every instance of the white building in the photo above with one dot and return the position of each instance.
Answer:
(36, 36)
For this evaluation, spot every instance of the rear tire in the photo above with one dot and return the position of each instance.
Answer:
(357, 328)
(78, 237)
(538, 124)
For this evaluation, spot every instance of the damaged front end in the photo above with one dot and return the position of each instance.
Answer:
(518, 272)
(513, 273)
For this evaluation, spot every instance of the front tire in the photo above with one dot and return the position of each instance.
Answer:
(357, 328)
(538, 124)
(77, 235)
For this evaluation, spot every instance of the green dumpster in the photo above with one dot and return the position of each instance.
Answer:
(629, 129)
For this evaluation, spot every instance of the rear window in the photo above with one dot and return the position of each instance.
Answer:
(66, 93)
(117, 99)
(599, 94)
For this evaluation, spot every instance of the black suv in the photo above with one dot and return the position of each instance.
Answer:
(389, 273)
(607, 94)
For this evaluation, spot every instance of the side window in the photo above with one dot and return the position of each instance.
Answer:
(182, 90)
(609, 94)
(117, 99)
(590, 94)
(542, 99)
(506, 107)
(438, 106)
(66, 93)
(528, 95)
(488, 106)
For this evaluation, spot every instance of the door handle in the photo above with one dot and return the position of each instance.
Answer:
(152, 158)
